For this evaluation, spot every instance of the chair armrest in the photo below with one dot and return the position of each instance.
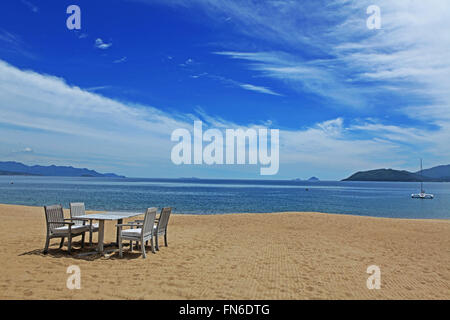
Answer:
(71, 219)
(61, 222)
(82, 219)
(126, 225)
(142, 221)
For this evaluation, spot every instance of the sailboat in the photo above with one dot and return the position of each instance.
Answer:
(422, 194)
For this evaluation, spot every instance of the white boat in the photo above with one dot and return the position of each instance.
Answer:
(422, 194)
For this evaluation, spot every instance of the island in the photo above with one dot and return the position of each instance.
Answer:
(435, 174)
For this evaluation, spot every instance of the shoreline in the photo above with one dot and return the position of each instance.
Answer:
(292, 256)
(254, 213)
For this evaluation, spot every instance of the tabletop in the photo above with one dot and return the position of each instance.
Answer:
(111, 215)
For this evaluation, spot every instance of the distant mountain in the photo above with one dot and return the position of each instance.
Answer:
(384, 175)
(439, 172)
(9, 173)
(17, 168)
(313, 179)
(433, 175)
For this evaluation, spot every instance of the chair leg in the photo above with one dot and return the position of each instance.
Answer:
(144, 254)
(131, 245)
(156, 242)
(82, 239)
(47, 243)
(61, 243)
(165, 239)
(69, 243)
(90, 237)
(120, 247)
(153, 247)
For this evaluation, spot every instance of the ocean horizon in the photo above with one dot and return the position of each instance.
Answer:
(225, 196)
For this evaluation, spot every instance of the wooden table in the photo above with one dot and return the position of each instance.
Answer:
(108, 216)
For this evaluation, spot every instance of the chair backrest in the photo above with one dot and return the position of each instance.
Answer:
(164, 219)
(149, 221)
(77, 209)
(54, 213)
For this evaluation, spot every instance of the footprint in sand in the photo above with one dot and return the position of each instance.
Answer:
(28, 293)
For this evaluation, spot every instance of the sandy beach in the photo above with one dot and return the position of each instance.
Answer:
(242, 256)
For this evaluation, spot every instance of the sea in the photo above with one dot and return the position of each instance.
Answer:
(206, 196)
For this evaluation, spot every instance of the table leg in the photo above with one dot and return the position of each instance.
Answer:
(101, 235)
(120, 221)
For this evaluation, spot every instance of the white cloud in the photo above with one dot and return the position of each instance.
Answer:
(344, 61)
(102, 45)
(69, 121)
(324, 47)
(309, 76)
(73, 126)
(259, 89)
(408, 57)
(234, 83)
(188, 62)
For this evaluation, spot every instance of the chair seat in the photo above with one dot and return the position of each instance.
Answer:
(132, 232)
(75, 229)
(94, 226)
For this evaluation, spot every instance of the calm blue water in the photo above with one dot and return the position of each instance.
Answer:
(378, 199)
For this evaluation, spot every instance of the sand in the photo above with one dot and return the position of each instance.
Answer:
(242, 256)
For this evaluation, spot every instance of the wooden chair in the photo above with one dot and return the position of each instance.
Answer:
(78, 209)
(161, 227)
(143, 233)
(59, 227)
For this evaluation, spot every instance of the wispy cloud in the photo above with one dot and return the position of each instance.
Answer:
(259, 89)
(11, 42)
(234, 83)
(8, 37)
(324, 47)
(121, 60)
(51, 115)
(26, 150)
(318, 47)
(97, 88)
(30, 6)
(304, 76)
(102, 45)
(188, 62)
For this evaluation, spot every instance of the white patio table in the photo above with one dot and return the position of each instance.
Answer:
(110, 216)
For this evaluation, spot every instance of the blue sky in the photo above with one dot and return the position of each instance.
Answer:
(108, 96)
